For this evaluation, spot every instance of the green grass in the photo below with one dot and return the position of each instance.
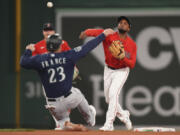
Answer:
(16, 130)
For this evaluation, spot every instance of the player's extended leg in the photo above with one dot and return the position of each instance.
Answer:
(107, 83)
(65, 123)
(77, 99)
(111, 113)
(59, 117)
(88, 111)
(58, 123)
(123, 115)
(62, 119)
(60, 112)
(58, 127)
(118, 79)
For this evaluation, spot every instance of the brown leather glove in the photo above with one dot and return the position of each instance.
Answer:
(117, 49)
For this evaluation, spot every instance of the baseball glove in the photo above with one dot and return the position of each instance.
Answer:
(76, 73)
(117, 49)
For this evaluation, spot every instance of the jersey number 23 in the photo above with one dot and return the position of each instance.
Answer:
(59, 71)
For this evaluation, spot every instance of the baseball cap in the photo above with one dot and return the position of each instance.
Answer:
(125, 18)
(48, 26)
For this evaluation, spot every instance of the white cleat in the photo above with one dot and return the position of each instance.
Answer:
(107, 128)
(58, 128)
(128, 124)
(125, 119)
(93, 110)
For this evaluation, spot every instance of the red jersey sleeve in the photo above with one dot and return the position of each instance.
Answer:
(35, 51)
(65, 46)
(93, 32)
(130, 62)
(40, 48)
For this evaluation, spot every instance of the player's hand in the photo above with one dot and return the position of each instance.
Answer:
(108, 32)
(69, 126)
(30, 47)
(82, 35)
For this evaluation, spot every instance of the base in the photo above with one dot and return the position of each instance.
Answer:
(154, 129)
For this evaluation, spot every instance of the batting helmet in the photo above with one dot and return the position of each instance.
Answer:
(53, 42)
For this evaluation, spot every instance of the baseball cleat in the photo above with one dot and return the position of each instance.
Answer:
(93, 110)
(128, 124)
(58, 127)
(107, 127)
(125, 119)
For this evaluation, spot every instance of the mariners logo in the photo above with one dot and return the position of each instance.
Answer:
(77, 49)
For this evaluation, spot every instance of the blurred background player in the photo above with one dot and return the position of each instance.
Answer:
(116, 71)
(56, 73)
(40, 48)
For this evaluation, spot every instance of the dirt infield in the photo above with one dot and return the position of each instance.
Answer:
(52, 132)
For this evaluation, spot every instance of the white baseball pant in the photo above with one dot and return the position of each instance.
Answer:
(59, 108)
(113, 83)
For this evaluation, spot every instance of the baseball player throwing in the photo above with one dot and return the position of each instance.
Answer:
(56, 73)
(120, 56)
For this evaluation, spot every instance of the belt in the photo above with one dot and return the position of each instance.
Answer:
(55, 99)
(112, 68)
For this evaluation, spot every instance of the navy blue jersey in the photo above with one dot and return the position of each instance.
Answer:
(56, 69)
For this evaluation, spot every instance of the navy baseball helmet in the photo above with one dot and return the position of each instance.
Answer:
(124, 18)
(53, 42)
